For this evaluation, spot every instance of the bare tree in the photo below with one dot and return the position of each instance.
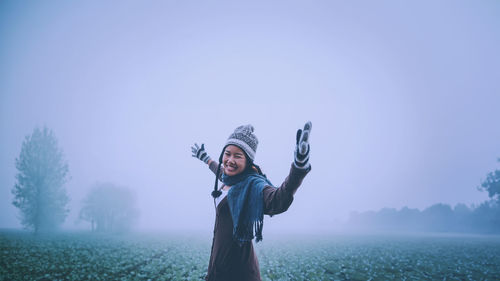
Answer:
(109, 208)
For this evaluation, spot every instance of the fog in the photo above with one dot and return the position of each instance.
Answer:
(403, 99)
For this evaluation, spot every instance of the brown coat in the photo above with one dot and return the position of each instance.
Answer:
(229, 261)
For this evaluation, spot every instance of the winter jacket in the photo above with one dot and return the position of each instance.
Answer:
(228, 260)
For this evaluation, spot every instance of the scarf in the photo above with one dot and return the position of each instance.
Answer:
(246, 204)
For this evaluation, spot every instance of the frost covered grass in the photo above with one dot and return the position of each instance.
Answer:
(394, 257)
(80, 256)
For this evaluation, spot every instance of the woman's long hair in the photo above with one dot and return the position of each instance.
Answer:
(216, 192)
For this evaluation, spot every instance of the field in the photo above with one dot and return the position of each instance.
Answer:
(82, 256)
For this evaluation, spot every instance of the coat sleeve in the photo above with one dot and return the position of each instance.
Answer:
(278, 200)
(213, 167)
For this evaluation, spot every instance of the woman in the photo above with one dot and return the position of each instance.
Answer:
(245, 196)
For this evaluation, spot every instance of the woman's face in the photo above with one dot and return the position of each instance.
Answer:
(234, 160)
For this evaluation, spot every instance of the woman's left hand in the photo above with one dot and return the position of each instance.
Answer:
(302, 147)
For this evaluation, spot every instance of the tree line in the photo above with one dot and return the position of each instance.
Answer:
(484, 218)
(41, 197)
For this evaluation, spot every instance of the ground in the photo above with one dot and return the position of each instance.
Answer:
(87, 256)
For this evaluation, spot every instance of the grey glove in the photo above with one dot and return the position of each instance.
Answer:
(200, 153)
(302, 147)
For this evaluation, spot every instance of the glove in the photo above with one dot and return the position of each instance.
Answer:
(302, 147)
(200, 153)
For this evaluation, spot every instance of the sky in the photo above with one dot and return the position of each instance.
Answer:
(403, 98)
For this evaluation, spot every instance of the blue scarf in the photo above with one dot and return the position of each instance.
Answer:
(246, 204)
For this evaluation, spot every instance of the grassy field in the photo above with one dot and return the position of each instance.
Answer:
(81, 256)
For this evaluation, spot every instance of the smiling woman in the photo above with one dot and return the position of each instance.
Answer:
(234, 160)
(245, 196)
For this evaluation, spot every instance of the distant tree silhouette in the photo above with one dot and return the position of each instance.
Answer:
(39, 191)
(109, 208)
(462, 217)
(492, 184)
(482, 218)
(436, 218)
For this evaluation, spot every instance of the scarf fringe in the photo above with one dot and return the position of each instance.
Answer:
(258, 225)
(247, 233)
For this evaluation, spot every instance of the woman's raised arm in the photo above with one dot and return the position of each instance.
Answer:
(278, 200)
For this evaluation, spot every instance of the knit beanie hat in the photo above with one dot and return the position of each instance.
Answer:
(244, 138)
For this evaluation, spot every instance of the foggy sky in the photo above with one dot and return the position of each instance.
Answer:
(403, 98)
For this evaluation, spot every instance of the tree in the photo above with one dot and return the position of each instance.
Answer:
(39, 191)
(438, 217)
(109, 208)
(492, 184)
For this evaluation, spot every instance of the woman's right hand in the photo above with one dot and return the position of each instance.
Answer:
(200, 153)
